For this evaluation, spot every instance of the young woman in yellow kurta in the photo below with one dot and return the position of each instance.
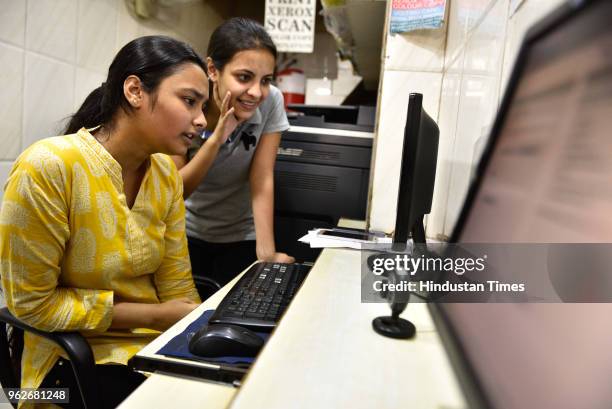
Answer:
(92, 225)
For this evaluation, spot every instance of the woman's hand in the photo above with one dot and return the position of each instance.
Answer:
(278, 258)
(193, 171)
(227, 122)
(168, 313)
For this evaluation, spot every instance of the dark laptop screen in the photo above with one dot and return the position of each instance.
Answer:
(548, 180)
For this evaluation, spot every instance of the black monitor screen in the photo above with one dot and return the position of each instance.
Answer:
(547, 179)
(417, 173)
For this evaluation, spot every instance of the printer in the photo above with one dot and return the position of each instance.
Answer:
(322, 172)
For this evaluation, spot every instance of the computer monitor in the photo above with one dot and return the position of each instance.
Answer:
(544, 178)
(418, 173)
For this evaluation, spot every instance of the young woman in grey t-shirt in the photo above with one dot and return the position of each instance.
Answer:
(228, 174)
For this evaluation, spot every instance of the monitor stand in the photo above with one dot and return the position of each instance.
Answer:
(394, 326)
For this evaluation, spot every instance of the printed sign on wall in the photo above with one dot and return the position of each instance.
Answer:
(291, 24)
(410, 15)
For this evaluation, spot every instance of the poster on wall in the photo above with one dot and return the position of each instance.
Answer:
(291, 24)
(410, 15)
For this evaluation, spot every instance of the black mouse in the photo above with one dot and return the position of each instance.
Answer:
(225, 340)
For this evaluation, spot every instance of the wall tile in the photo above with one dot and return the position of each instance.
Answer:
(395, 89)
(5, 169)
(474, 10)
(457, 33)
(485, 46)
(11, 100)
(528, 14)
(447, 122)
(192, 22)
(97, 27)
(127, 26)
(49, 94)
(54, 52)
(196, 24)
(463, 17)
(475, 100)
(417, 51)
(13, 21)
(154, 27)
(477, 107)
(51, 28)
(86, 81)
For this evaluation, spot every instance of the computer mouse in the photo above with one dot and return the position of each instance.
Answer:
(225, 340)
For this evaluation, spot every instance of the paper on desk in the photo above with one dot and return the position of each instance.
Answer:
(317, 241)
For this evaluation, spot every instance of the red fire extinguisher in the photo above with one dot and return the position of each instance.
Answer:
(292, 83)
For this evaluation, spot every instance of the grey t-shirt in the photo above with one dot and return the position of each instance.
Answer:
(219, 210)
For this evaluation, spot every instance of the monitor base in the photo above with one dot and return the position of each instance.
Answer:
(394, 327)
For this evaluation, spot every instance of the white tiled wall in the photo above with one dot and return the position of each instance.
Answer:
(11, 99)
(412, 62)
(470, 63)
(51, 28)
(12, 22)
(54, 52)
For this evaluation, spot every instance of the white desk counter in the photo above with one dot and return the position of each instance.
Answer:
(172, 391)
(323, 354)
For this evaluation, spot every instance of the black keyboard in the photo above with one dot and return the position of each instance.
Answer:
(260, 297)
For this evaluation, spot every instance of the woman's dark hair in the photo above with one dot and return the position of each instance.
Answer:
(235, 35)
(150, 58)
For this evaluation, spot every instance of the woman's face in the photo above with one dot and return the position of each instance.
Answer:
(247, 76)
(173, 115)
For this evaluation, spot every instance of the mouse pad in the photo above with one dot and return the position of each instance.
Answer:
(178, 347)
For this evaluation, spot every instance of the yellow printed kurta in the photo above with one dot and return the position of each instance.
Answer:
(70, 246)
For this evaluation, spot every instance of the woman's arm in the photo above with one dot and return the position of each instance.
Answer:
(193, 171)
(173, 279)
(262, 196)
(155, 316)
(34, 233)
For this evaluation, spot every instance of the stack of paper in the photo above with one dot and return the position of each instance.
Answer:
(319, 238)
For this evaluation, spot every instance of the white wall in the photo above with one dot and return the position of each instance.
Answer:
(462, 74)
(54, 52)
